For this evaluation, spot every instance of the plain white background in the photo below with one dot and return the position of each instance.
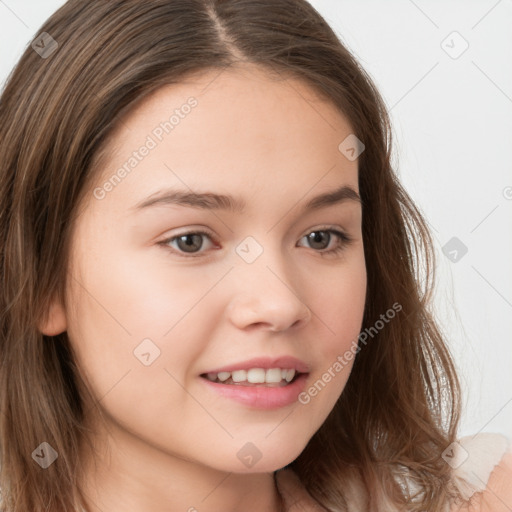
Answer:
(444, 70)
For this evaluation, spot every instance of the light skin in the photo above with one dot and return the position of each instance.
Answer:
(172, 443)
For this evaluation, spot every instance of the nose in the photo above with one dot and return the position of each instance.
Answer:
(266, 296)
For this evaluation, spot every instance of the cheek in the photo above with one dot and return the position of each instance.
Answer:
(163, 292)
(138, 294)
(136, 319)
(136, 375)
(341, 307)
(340, 311)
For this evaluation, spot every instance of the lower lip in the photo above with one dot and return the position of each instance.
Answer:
(261, 397)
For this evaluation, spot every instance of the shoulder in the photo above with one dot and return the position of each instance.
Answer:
(482, 473)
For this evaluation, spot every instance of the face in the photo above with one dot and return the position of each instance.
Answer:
(169, 291)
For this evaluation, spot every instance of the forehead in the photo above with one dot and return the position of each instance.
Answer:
(246, 128)
(246, 87)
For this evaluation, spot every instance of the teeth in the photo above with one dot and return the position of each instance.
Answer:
(239, 375)
(274, 375)
(254, 375)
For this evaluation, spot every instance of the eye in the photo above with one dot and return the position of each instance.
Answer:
(189, 243)
(323, 237)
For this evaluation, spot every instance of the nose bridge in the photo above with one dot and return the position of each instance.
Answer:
(265, 290)
(262, 259)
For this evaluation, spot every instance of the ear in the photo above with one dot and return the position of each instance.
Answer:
(55, 321)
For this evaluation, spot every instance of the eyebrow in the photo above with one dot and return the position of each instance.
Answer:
(212, 201)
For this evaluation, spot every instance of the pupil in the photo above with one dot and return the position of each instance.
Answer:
(189, 245)
(316, 237)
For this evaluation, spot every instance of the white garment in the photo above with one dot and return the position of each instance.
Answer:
(478, 454)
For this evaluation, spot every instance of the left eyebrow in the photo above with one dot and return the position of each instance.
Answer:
(212, 201)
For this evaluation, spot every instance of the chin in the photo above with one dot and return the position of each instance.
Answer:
(264, 457)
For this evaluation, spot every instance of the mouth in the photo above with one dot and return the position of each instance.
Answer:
(262, 395)
(255, 377)
(262, 383)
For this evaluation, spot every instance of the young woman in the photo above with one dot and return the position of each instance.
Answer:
(211, 293)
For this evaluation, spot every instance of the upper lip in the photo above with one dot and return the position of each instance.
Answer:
(284, 362)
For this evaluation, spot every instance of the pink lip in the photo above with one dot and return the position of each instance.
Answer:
(260, 396)
(285, 362)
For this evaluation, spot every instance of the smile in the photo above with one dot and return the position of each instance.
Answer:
(274, 377)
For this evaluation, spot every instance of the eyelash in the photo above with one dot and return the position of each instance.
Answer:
(343, 241)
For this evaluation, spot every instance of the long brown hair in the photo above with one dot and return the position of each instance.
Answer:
(400, 408)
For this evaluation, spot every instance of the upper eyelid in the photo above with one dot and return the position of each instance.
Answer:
(208, 232)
